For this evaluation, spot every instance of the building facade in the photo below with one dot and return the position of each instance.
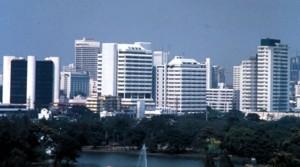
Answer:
(295, 69)
(159, 58)
(217, 75)
(86, 53)
(104, 103)
(272, 76)
(248, 85)
(294, 78)
(31, 82)
(181, 86)
(221, 98)
(125, 70)
(74, 83)
(236, 77)
(297, 96)
(208, 73)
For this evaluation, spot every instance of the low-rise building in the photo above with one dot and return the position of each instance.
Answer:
(221, 98)
(104, 103)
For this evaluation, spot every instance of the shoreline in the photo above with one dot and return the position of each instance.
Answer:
(238, 161)
(134, 150)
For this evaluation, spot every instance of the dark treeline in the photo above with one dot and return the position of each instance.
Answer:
(24, 142)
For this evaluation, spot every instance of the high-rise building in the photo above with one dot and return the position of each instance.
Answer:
(294, 77)
(217, 76)
(295, 69)
(181, 85)
(74, 83)
(221, 98)
(86, 53)
(236, 86)
(236, 77)
(248, 85)
(208, 73)
(31, 82)
(272, 76)
(125, 70)
(159, 58)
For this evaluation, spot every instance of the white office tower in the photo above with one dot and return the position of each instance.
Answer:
(109, 68)
(208, 73)
(125, 70)
(74, 84)
(135, 73)
(220, 98)
(56, 75)
(236, 77)
(86, 52)
(181, 86)
(248, 85)
(272, 76)
(32, 82)
(297, 95)
(6, 87)
(160, 58)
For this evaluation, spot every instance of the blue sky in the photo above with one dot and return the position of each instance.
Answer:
(225, 30)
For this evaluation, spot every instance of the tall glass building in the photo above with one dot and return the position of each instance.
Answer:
(30, 82)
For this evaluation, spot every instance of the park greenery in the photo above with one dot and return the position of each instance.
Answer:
(29, 142)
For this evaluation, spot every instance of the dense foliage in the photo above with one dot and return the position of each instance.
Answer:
(24, 142)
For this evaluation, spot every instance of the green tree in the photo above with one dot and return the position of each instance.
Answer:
(252, 117)
(249, 143)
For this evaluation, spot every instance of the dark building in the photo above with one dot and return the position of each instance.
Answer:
(269, 42)
(44, 83)
(18, 81)
(294, 75)
(217, 76)
(295, 68)
(30, 82)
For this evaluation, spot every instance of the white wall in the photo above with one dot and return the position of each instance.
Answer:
(109, 69)
(6, 79)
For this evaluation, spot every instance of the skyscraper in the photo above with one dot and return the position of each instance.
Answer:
(159, 58)
(236, 77)
(295, 69)
(181, 85)
(208, 73)
(294, 77)
(248, 85)
(31, 82)
(86, 53)
(272, 76)
(125, 70)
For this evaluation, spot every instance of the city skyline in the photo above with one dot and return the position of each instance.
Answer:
(52, 27)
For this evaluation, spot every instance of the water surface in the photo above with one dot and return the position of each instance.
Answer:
(130, 160)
